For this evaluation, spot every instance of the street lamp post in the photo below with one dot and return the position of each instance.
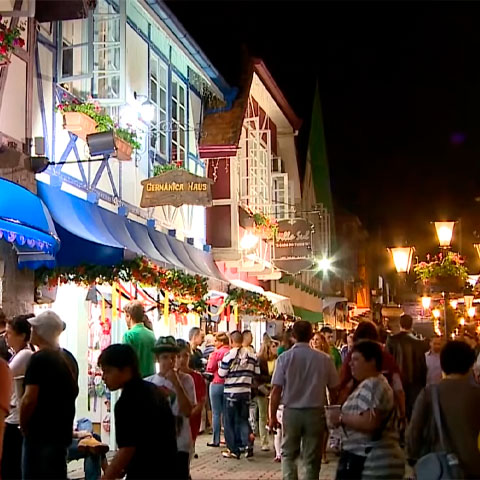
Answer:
(402, 258)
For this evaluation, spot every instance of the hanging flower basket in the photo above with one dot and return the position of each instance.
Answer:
(452, 284)
(79, 123)
(124, 149)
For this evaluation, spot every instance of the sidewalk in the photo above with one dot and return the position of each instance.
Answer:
(211, 465)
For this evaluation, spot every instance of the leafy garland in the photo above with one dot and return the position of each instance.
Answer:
(450, 265)
(168, 167)
(9, 39)
(141, 270)
(250, 303)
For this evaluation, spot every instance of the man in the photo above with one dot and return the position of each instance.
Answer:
(299, 382)
(432, 358)
(248, 340)
(238, 368)
(334, 353)
(180, 390)
(195, 338)
(144, 423)
(140, 338)
(5, 394)
(47, 408)
(409, 353)
(4, 350)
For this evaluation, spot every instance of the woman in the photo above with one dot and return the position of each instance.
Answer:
(367, 330)
(261, 391)
(319, 342)
(370, 448)
(222, 343)
(183, 359)
(17, 336)
(459, 400)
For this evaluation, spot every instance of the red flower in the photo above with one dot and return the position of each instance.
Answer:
(2, 36)
(21, 42)
(3, 50)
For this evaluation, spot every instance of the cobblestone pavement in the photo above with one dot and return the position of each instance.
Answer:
(211, 465)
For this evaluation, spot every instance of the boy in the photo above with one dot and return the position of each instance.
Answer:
(180, 390)
(144, 423)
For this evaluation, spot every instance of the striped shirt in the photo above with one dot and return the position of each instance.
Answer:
(238, 367)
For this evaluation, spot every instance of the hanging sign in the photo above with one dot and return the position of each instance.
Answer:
(293, 245)
(176, 187)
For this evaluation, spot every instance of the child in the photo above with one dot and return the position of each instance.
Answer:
(145, 426)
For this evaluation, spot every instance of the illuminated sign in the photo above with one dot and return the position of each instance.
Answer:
(293, 245)
(176, 187)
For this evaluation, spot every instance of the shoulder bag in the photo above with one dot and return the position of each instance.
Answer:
(443, 465)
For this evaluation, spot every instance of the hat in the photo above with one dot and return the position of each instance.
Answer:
(166, 345)
(48, 325)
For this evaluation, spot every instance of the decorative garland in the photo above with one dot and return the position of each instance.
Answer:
(192, 288)
(264, 225)
(250, 303)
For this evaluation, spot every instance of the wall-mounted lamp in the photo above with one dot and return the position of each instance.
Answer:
(101, 143)
(146, 107)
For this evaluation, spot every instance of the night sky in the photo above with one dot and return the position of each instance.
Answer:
(400, 90)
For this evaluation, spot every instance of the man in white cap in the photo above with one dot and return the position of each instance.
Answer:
(48, 406)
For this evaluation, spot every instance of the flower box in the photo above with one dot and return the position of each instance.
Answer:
(124, 150)
(450, 284)
(79, 124)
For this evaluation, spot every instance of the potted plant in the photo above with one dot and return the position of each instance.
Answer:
(159, 169)
(83, 119)
(9, 39)
(442, 273)
(126, 140)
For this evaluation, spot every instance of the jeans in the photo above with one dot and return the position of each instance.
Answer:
(237, 427)
(43, 460)
(262, 404)
(92, 465)
(12, 452)
(218, 405)
(302, 428)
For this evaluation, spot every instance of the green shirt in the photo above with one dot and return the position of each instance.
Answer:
(336, 357)
(142, 340)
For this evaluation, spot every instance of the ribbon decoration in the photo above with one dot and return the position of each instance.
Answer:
(166, 308)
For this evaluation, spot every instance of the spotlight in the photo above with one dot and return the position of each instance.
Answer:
(101, 144)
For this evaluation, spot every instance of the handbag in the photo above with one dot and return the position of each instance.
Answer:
(443, 465)
(350, 466)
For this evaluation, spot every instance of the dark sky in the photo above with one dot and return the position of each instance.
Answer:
(400, 91)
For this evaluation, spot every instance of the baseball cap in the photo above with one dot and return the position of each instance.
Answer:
(48, 325)
(166, 345)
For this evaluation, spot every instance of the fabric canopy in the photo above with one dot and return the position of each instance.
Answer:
(26, 223)
(308, 315)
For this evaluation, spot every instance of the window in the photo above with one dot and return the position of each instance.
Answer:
(158, 97)
(93, 49)
(255, 169)
(109, 53)
(179, 121)
(280, 197)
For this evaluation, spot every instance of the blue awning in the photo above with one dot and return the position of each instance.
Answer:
(26, 223)
(204, 262)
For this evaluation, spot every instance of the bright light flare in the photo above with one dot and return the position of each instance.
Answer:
(324, 264)
(462, 322)
(436, 313)
(426, 301)
(471, 312)
(454, 303)
(249, 241)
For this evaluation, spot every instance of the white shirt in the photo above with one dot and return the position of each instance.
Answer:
(18, 366)
(184, 436)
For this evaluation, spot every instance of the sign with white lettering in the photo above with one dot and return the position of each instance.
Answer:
(176, 187)
(293, 245)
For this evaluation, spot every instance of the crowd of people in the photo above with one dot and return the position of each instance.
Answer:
(378, 404)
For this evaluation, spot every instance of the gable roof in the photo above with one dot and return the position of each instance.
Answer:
(225, 127)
